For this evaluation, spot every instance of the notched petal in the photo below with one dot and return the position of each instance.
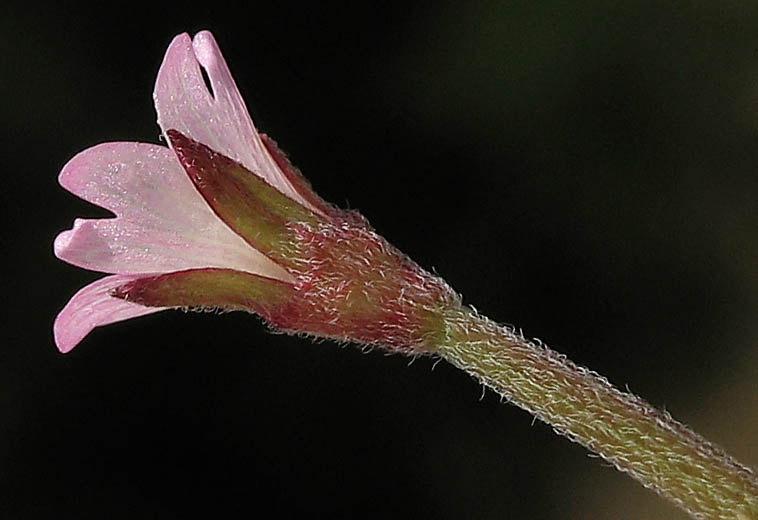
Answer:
(219, 120)
(163, 222)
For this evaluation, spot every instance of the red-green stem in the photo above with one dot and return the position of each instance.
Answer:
(646, 443)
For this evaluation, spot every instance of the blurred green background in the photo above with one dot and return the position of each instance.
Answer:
(585, 171)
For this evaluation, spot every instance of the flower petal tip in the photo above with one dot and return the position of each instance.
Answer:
(63, 241)
(93, 306)
(206, 49)
(215, 116)
(66, 338)
(85, 172)
(70, 176)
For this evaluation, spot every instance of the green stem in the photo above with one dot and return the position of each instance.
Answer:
(648, 444)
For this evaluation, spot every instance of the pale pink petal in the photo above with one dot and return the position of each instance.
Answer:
(220, 119)
(163, 224)
(125, 247)
(91, 307)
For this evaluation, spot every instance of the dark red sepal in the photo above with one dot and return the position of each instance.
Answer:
(209, 288)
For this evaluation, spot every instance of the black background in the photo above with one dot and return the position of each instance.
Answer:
(585, 172)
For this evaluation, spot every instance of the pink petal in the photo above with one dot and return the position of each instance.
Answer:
(92, 307)
(163, 224)
(220, 119)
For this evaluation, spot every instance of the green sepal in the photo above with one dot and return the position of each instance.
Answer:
(254, 209)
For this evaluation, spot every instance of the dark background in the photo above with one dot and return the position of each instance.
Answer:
(585, 172)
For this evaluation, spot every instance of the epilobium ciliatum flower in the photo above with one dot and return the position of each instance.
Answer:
(221, 219)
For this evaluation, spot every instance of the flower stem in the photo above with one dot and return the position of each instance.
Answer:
(635, 437)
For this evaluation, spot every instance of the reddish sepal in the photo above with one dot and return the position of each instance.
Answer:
(295, 177)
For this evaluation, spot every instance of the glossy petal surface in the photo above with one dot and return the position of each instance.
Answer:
(162, 224)
(92, 307)
(218, 119)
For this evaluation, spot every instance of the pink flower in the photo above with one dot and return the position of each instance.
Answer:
(222, 219)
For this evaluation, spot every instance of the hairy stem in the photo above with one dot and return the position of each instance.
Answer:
(635, 437)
